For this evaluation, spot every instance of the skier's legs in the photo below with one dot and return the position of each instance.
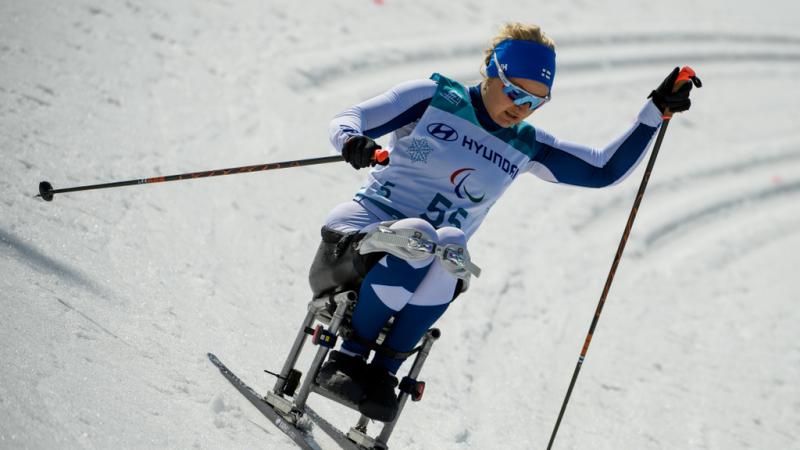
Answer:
(416, 293)
(428, 303)
(387, 289)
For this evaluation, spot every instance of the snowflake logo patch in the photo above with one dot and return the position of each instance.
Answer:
(419, 150)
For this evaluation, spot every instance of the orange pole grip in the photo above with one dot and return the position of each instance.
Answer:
(686, 74)
(381, 155)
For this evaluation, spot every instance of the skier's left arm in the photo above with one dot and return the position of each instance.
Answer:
(565, 162)
(570, 163)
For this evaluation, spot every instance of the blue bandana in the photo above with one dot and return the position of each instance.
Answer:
(525, 59)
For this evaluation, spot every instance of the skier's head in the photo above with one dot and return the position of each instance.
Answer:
(520, 66)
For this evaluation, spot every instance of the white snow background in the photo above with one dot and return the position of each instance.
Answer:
(110, 299)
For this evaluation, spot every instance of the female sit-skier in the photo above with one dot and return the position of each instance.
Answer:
(453, 151)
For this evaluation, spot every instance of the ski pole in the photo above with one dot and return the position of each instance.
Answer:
(686, 74)
(47, 192)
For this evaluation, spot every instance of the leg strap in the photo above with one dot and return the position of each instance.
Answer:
(414, 245)
(383, 350)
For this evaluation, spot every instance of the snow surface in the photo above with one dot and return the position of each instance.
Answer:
(111, 299)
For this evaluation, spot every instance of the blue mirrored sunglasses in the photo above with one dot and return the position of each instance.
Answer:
(515, 93)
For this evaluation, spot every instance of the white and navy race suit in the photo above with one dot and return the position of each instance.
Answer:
(449, 164)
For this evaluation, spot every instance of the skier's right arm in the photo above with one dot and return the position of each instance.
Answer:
(395, 108)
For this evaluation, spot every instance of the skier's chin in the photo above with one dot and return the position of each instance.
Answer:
(508, 119)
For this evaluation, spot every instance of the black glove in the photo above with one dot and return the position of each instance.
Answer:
(359, 151)
(677, 101)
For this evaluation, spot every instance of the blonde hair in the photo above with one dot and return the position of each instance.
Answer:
(516, 31)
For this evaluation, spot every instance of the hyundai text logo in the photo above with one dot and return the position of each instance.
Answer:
(442, 131)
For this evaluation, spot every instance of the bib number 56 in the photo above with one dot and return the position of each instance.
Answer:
(439, 206)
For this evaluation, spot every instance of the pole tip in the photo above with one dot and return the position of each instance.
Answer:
(46, 191)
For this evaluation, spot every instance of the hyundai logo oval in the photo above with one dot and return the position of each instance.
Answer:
(442, 131)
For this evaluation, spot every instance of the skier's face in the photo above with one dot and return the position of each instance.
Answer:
(501, 108)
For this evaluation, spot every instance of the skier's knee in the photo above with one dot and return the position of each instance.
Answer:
(453, 254)
(451, 235)
(455, 239)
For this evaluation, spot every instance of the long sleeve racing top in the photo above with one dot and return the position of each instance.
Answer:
(424, 118)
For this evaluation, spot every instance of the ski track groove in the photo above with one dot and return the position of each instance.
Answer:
(391, 56)
(94, 322)
(684, 223)
(678, 36)
(748, 247)
(695, 57)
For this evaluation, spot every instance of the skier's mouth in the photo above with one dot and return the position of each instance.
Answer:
(511, 116)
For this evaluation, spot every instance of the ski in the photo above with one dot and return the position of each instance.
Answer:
(301, 437)
(333, 432)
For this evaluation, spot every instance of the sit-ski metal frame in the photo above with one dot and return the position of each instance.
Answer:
(335, 311)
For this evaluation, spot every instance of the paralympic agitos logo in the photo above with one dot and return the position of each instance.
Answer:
(459, 180)
(443, 132)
